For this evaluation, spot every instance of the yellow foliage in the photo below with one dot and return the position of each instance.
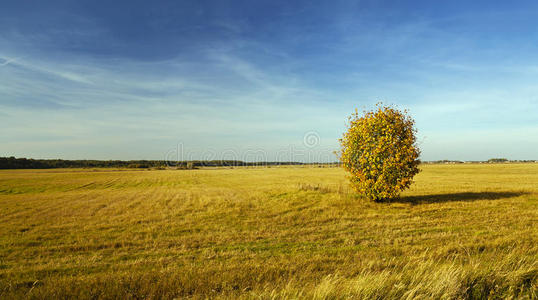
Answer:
(379, 151)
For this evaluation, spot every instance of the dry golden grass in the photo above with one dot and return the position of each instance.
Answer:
(462, 231)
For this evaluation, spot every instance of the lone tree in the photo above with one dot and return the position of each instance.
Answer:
(379, 151)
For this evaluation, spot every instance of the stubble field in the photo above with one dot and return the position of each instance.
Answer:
(462, 231)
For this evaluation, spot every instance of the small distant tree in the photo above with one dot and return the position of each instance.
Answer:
(497, 160)
(379, 151)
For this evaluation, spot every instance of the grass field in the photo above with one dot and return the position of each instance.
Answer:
(462, 231)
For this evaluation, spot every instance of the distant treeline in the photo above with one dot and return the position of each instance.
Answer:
(28, 163)
(491, 160)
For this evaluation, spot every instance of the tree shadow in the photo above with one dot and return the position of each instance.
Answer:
(453, 197)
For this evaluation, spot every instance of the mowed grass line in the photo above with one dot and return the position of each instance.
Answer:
(462, 231)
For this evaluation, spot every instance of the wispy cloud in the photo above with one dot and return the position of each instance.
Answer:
(6, 61)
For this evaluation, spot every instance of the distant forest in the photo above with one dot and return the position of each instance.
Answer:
(28, 163)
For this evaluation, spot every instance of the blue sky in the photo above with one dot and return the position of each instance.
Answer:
(249, 79)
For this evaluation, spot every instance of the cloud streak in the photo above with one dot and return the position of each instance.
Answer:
(7, 61)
